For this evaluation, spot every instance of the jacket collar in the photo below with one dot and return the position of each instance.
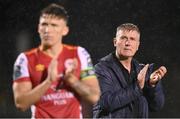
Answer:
(112, 63)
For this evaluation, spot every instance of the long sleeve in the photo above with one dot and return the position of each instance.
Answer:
(154, 95)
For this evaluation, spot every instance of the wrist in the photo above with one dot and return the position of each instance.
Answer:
(152, 84)
(75, 84)
(70, 79)
(49, 80)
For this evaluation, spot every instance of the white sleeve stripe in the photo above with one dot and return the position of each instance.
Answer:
(85, 58)
(21, 67)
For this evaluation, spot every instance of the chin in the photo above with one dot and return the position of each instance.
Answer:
(127, 56)
(47, 45)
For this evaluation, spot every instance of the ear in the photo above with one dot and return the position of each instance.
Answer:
(65, 30)
(38, 29)
(138, 37)
(138, 46)
(114, 42)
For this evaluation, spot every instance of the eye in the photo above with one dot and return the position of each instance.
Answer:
(123, 38)
(54, 24)
(132, 39)
(44, 24)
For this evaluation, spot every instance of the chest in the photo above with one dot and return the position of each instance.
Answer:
(38, 66)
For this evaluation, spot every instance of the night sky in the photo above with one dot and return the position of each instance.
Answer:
(93, 25)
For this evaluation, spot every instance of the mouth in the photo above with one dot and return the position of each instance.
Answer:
(127, 49)
(46, 37)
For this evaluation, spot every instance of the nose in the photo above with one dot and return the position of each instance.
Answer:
(46, 29)
(127, 42)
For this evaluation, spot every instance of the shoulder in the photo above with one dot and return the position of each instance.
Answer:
(70, 47)
(82, 51)
(84, 57)
(24, 56)
(106, 60)
(31, 52)
(21, 59)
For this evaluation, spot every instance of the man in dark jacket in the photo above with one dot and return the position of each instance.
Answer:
(128, 88)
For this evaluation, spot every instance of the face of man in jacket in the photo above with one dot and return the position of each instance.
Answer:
(126, 43)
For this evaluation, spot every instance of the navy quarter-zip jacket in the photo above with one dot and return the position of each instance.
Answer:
(117, 96)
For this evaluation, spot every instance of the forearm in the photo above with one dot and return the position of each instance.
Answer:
(155, 97)
(89, 93)
(24, 100)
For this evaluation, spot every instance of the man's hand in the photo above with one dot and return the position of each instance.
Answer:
(86, 89)
(52, 70)
(69, 76)
(157, 75)
(142, 75)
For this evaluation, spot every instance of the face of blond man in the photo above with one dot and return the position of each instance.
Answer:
(51, 30)
(127, 43)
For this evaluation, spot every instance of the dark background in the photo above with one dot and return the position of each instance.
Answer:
(93, 25)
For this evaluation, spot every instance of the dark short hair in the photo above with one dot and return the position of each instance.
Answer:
(55, 10)
(128, 27)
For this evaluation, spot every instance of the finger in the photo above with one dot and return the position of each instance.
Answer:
(158, 74)
(161, 72)
(143, 71)
(72, 66)
(53, 63)
(69, 69)
(75, 63)
(156, 78)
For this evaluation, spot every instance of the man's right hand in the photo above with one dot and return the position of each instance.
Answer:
(52, 70)
(142, 75)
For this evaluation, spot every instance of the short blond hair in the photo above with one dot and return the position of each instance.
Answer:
(128, 27)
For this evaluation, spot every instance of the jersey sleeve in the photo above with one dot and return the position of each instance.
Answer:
(87, 69)
(20, 71)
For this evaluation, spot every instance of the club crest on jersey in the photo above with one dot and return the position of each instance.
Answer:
(71, 63)
(40, 67)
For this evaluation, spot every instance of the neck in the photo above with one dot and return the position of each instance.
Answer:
(52, 51)
(126, 62)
